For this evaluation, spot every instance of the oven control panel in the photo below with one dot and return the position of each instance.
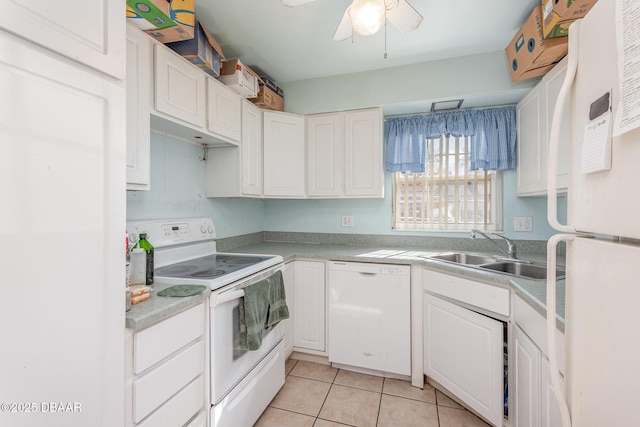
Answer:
(172, 232)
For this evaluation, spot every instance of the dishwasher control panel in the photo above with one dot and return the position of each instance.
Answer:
(369, 268)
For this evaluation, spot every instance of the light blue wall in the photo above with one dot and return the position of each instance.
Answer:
(177, 191)
(374, 216)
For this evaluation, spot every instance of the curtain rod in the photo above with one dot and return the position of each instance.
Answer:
(444, 111)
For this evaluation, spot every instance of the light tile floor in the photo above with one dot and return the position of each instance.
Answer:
(316, 395)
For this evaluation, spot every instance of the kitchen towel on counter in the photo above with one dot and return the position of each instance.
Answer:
(262, 307)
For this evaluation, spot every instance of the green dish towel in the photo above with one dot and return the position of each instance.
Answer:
(262, 307)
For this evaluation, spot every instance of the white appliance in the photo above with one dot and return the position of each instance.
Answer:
(242, 382)
(370, 317)
(602, 342)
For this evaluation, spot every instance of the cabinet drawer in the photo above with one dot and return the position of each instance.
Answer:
(159, 341)
(178, 410)
(157, 386)
(482, 295)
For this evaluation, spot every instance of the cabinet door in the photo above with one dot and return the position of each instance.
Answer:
(325, 155)
(223, 111)
(139, 52)
(550, 415)
(530, 172)
(364, 175)
(179, 87)
(552, 83)
(251, 149)
(463, 351)
(309, 305)
(62, 144)
(284, 154)
(90, 31)
(288, 275)
(526, 359)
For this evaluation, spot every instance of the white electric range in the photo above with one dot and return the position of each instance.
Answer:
(242, 382)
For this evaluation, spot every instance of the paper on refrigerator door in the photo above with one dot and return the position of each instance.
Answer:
(628, 42)
(596, 146)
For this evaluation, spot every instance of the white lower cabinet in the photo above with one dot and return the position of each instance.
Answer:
(463, 344)
(309, 306)
(534, 402)
(463, 352)
(166, 383)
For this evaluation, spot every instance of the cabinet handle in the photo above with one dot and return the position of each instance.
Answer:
(551, 324)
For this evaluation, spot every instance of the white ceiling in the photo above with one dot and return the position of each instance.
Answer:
(291, 44)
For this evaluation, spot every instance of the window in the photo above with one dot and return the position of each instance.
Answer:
(448, 196)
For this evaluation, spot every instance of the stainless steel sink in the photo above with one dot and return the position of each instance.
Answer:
(464, 258)
(531, 271)
(519, 268)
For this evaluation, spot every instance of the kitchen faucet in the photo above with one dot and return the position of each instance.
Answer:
(511, 246)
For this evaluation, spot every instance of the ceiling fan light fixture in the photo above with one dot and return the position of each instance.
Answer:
(367, 16)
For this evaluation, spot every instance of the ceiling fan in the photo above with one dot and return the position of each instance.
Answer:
(366, 17)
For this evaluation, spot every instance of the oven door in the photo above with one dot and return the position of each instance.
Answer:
(229, 363)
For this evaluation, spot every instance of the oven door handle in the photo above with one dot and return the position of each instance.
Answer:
(228, 297)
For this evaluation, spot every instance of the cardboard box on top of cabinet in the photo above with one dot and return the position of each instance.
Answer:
(240, 78)
(165, 21)
(268, 99)
(559, 14)
(529, 54)
(202, 50)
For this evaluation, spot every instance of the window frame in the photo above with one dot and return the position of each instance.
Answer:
(496, 202)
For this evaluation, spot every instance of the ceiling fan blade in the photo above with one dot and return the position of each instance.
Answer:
(404, 17)
(292, 3)
(344, 30)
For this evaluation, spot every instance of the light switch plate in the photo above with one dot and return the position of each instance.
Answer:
(522, 223)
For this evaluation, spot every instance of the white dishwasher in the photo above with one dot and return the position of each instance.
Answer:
(370, 316)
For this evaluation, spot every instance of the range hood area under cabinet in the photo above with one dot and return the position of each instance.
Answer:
(169, 95)
(284, 155)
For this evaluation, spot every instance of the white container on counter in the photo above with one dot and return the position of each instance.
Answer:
(138, 267)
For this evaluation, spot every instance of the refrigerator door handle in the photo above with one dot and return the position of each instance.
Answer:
(551, 324)
(554, 137)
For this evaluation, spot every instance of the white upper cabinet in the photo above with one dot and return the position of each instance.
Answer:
(325, 155)
(251, 149)
(236, 171)
(284, 155)
(363, 172)
(139, 65)
(90, 32)
(534, 116)
(345, 154)
(223, 111)
(180, 88)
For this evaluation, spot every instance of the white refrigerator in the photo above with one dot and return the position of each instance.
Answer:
(602, 300)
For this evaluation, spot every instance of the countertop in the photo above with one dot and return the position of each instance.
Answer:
(157, 308)
(534, 292)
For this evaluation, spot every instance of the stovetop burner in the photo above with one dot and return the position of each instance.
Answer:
(209, 273)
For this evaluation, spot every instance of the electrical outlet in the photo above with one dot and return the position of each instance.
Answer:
(522, 223)
(347, 220)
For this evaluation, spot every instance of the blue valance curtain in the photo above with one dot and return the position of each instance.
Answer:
(492, 133)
